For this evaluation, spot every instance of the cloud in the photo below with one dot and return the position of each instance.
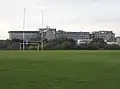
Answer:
(109, 19)
(70, 14)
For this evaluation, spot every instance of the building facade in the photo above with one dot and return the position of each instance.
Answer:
(51, 34)
(28, 35)
(106, 35)
(73, 35)
(43, 33)
(48, 33)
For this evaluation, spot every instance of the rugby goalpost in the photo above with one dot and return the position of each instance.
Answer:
(23, 44)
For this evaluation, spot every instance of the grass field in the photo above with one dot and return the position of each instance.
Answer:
(60, 70)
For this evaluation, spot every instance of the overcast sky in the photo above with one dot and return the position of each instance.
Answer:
(69, 15)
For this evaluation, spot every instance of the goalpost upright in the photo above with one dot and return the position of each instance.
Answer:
(24, 13)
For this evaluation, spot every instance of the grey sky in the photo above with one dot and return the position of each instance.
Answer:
(69, 15)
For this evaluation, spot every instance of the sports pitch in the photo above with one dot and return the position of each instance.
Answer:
(60, 70)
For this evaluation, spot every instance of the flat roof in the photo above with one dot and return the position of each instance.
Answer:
(77, 32)
(23, 31)
(46, 28)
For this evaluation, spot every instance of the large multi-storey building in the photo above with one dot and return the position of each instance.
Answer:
(28, 35)
(45, 33)
(50, 34)
(106, 35)
(73, 35)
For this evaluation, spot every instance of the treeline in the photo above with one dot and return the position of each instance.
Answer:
(70, 44)
(59, 44)
(9, 45)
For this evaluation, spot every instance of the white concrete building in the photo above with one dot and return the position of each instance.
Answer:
(106, 35)
(83, 41)
(112, 43)
(118, 40)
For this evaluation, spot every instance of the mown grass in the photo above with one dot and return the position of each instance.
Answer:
(60, 70)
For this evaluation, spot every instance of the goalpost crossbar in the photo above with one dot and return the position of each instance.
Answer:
(38, 45)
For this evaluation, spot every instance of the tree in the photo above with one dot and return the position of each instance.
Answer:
(66, 45)
(3, 44)
(99, 43)
(60, 44)
(112, 47)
